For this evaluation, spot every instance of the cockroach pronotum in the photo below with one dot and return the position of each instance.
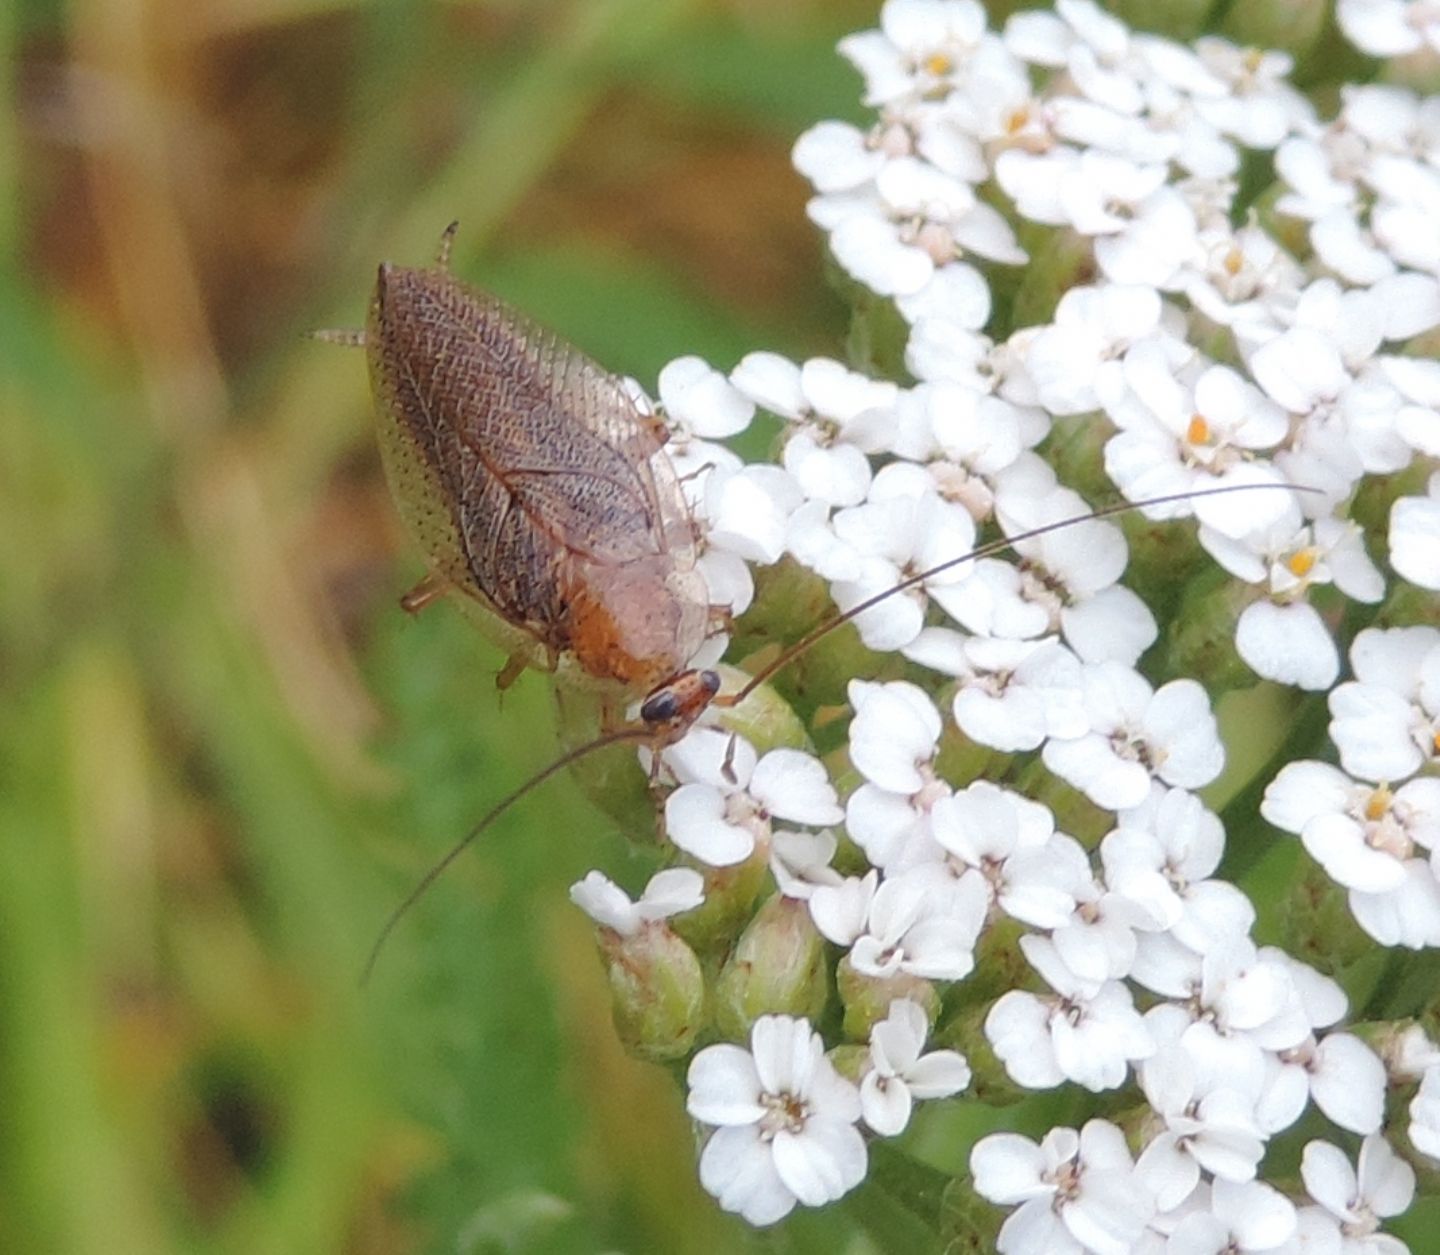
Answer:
(539, 490)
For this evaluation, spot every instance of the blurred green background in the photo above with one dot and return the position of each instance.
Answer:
(224, 751)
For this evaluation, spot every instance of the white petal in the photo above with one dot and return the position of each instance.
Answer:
(885, 1103)
(1288, 644)
(737, 1168)
(821, 1163)
(700, 397)
(724, 1086)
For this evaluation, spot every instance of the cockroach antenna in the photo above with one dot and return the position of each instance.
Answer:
(542, 495)
(679, 715)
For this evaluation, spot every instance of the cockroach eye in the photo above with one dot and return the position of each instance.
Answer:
(664, 706)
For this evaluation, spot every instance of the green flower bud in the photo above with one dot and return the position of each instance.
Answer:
(730, 894)
(867, 999)
(990, 1082)
(778, 967)
(1063, 260)
(1200, 640)
(852, 1061)
(1319, 928)
(1418, 70)
(1179, 19)
(657, 991)
(789, 603)
(1074, 813)
(1000, 965)
(1291, 26)
(970, 1225)
(765, 719)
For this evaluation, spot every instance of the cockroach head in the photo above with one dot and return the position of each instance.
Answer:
(670, 709)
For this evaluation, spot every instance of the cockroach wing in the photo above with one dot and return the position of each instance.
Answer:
(511, 454)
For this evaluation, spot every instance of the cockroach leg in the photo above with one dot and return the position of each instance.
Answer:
(721, 620)
(442, 254)
(727, 766)
(657, 796)
(612, 716)
(429, 589)
(347, 337)
(511, 671)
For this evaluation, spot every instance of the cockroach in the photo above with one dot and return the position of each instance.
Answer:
(540, 492)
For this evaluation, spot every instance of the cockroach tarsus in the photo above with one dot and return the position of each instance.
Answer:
(539, 490)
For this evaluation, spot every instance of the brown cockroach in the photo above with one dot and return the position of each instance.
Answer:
(540, 491)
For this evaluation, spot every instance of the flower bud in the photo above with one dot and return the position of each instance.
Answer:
(1179, 19)
(1290, 26)
(657, 990)
(965, 1032)
(971, 1225)
(777, 967)
(1318, 923)
(1064, 260)
(764, 718)
(789, 602)
(1200, 641)
(851, 1060)
(867, 999)
(730, 894)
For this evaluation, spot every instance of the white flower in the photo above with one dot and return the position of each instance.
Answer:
(1034, 874)
(1283, 638)
(1389, 28)
(1085, 1032)
(1138, 734)
(1359, 1200)
(1424, 1130)
(923, 922)
(915, 219)
(1179, 437)
(1386, 723)
(895, 537)
(1074, 362)
(1070, 572)
(1210, 1127)
(893, 738)
(669, 892)
(698, 396)
(838, 157)
(1011, 694)
(1161, 857)
(1238, 1217)
(836, 416)
(800, 862)
(1366, 837)
(786, 1122)
(922, 46)
(899, 1073)
(746, 513)
(1345, 1077)
(1415, 536)
(1076, 1192)
(727, 798)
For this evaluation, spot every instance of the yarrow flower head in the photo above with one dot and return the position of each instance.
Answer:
(997, 824)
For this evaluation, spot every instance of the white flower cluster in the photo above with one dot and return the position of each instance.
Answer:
(1127, 147)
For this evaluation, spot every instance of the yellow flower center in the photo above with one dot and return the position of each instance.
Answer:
(938, 64)
(1198, 432)
(1302, 562)
(1378, 803)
